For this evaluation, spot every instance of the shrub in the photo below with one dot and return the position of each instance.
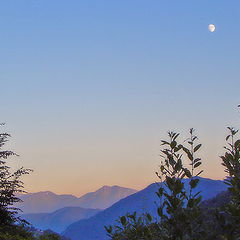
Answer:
(182, 214)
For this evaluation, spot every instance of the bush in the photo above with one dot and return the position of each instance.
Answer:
(182, 214)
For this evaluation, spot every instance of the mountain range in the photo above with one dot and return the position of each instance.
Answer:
(142, 201)
(48, 202)
(59, 220)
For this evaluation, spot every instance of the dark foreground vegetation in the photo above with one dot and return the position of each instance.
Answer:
(12, 227)
(182, 214)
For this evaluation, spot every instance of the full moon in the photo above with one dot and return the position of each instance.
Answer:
(211, 27)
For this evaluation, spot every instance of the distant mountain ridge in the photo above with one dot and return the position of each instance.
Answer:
(47, 202)
(106, 196)
(44, 202)
(58, 220)
(142, 201)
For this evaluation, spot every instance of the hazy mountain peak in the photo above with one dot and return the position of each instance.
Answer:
(104, 197)
(105, 187)
(114, 187)
(47, 201)
(45, 193)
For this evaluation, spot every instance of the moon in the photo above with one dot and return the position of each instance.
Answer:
(211, 27)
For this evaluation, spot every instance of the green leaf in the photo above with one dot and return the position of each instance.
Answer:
(177, 148)
(190, 156)
(187, 172)
(160, 191)
(178, 166)
(164, 142)
(108, 229)
(160, 211)
(193, 183)
(173, 144)
(190, 203)
(197, 164)
(133, 216)
(228, 137)
(149, 217)
(196, 160)
(171, 160)
(237, 144)
(175, 136)
(186, 150)
(198, 200)
(199, 173)
(123, 220)
(197, 147)
(195, 195)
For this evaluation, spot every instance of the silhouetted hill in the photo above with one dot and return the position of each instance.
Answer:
(58, 221)
(142, 201)
(217, 202)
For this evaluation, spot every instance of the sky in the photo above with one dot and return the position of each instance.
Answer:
(89, 88)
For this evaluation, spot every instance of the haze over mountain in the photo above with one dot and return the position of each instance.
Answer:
(142, 201)
(47, 202)
(44, 202)
(58, 221)
(104, 197)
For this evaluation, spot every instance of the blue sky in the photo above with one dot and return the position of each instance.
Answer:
(90, 87)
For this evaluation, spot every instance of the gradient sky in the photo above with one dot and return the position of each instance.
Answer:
(88, 88)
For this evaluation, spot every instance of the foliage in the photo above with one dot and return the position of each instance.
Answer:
(134, 227)
(15, 232)
(179, 210)
(10, 185)
(231, 162)
(12, 227)
(49, 235)
(183, 216)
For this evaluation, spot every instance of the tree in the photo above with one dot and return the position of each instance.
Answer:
(10, 185)
(134, 227)
(179, 211)
(49, 235)
(230, 221)
(182, 215)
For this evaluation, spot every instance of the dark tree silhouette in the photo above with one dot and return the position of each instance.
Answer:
(182, 214)
(10, 186)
